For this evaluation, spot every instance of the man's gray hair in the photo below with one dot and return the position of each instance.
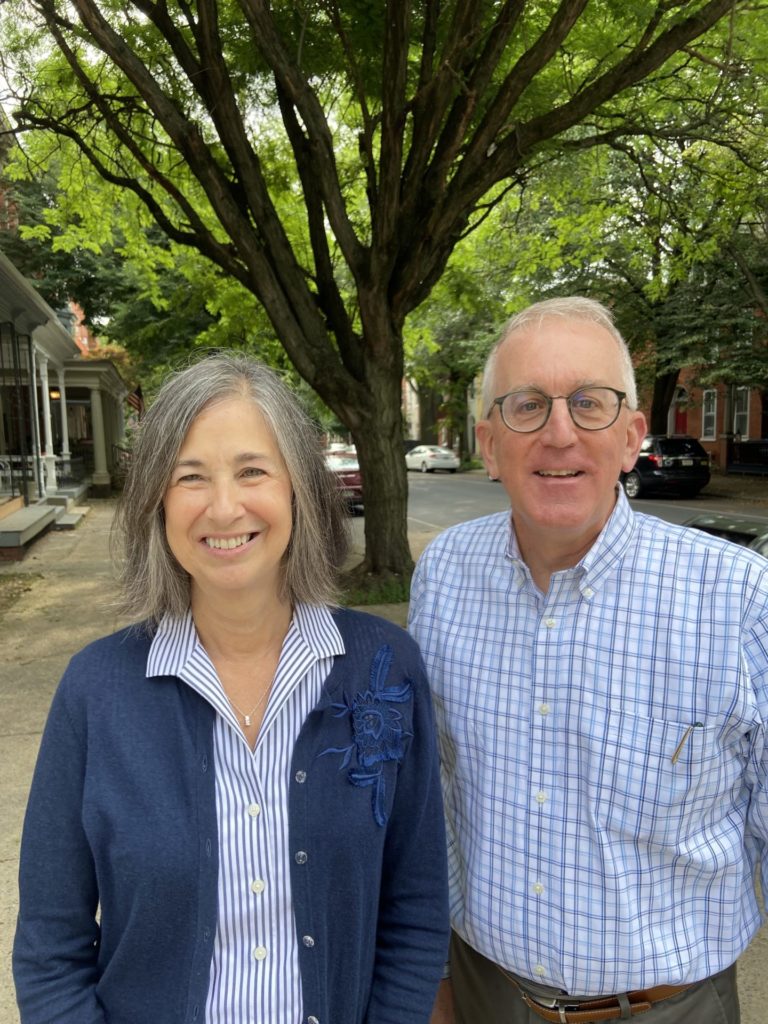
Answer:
(571, 307)
(153, 582)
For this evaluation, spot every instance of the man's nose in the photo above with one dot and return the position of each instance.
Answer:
(560, 430)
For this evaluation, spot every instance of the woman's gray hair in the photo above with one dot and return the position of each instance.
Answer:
(153, 582)
(571, 307)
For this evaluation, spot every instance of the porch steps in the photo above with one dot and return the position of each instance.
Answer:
(71, 518)
(19, 529)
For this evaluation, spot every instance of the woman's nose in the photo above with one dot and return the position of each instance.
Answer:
(225, 500)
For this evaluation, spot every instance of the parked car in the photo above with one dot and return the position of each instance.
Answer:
(345, 467)
(750, 533)
(429, 457)
(667, 465)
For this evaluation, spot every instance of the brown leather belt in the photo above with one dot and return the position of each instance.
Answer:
(562, 1010)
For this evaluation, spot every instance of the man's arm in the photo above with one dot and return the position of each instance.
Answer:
(442, 1011)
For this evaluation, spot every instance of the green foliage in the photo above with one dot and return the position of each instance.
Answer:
(331, 158)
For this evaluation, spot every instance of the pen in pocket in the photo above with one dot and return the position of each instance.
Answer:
(684, 740)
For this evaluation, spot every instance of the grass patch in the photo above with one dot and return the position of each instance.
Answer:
(360, 588)
(13, 585)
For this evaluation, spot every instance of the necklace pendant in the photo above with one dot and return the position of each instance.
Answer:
(247, 719)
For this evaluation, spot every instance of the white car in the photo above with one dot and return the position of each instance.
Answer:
(429, 457)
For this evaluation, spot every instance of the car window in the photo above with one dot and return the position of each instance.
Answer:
(681, 446)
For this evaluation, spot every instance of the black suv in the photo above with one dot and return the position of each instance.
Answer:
(668, 464)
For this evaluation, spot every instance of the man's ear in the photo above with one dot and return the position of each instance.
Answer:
(637, 428)
(487, 441)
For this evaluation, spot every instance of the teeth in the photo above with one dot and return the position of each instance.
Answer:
(558, 472)
(226, 543)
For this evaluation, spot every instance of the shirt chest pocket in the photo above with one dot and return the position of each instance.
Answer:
(657, 781)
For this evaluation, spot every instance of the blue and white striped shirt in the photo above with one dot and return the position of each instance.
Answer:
(255, 966)
(603, 749)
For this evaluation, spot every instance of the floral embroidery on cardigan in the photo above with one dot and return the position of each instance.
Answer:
(377, 731)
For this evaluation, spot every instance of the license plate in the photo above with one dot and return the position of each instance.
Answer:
(686, 462)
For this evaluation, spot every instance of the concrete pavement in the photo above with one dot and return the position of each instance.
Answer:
(63, 597)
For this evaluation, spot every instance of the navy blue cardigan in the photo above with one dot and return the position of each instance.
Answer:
(122, 819)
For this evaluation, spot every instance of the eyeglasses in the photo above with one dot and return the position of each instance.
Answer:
(590, 408)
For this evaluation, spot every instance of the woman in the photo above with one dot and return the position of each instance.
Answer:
(235, 817)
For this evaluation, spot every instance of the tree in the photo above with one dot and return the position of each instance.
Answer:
(677, 253)
(448, 338)
(330, 158)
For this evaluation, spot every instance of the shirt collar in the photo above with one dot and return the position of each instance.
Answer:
(599, 561)
(176, 639)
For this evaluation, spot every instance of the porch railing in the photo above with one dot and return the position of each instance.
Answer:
(747, 457)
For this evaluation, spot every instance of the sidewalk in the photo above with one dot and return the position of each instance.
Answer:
(61, 598)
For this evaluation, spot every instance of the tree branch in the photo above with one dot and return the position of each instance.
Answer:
(297, 89)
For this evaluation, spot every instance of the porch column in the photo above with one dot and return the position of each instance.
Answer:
(48, 456)
(65, 453)
(101, 478)
(3, 440)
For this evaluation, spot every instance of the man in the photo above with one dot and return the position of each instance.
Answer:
(601, 688)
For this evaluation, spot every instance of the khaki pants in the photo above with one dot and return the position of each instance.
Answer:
(482, 995)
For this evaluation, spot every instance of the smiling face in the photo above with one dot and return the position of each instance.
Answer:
(228, 515)
(561, 480)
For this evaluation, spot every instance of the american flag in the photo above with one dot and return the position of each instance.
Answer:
(136, 400)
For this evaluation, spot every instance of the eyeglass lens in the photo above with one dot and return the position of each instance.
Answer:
(590, 408)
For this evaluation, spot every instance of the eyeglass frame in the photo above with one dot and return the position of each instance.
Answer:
(551, 399)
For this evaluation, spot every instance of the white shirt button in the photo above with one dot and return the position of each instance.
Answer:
(257, 886)
(588, 592)
(543, 709)
(260, 953)
(539, 970)
(541, 797)
(254, 810)
(549, 623)
(538, 888)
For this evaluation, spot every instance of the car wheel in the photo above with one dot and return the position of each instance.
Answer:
(632, 485)
(424, 467)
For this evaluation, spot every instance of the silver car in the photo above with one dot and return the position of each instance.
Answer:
(429, 457)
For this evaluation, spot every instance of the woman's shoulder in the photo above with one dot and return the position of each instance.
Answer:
(353, 623)
(123, 643)
(370, 638)
(119, 655)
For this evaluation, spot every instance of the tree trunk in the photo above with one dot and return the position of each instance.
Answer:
(663, 393)
(379, 442)
(429, 402)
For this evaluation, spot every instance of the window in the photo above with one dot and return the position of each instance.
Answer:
(741, 413)
(709, 415)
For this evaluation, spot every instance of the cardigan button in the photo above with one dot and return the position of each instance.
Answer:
(301, 857)
(312, 1020)
(300, 777)
(308, 941)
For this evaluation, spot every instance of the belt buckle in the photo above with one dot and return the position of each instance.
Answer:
(559, 1003)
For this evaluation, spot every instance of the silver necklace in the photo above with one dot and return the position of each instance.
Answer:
(254, 709)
